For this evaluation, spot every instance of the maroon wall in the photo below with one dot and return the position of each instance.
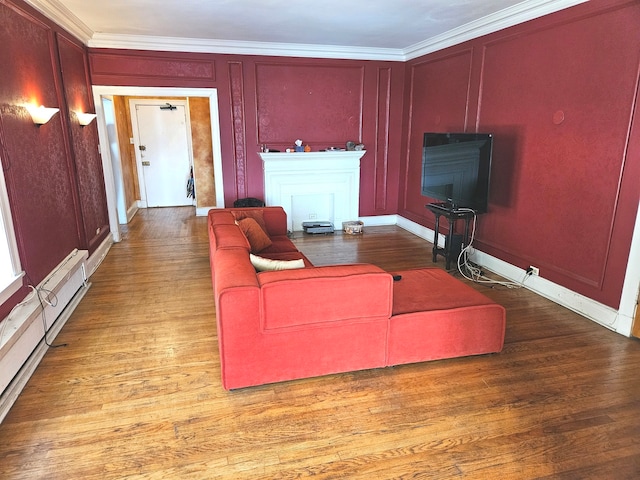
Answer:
(274, 101)
(54, 177)
(558, 94)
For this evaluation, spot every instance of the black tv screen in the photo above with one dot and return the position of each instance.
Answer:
(456, 168)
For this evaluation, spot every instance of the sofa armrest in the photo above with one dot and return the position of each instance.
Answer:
(322, 295)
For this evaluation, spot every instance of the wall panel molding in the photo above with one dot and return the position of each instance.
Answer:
(320, 103)
(381, 153)
(439, 89)
(159, 69)
(88, 178)
(236, 85)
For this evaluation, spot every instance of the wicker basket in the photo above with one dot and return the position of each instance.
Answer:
(353, 228)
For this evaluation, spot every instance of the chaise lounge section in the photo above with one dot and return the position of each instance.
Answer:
(301, 320)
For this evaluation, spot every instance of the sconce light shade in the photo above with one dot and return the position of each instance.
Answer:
(85, 118)
(41, 115)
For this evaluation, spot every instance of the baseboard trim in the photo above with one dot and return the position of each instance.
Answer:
(203, 211)
(133, 209)
(96, 258)
(379, 220)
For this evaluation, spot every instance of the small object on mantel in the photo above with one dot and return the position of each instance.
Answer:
(307, 148)
(299, 147)
(351, 146)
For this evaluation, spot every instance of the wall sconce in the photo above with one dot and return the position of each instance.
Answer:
(85, 118)
(41, 115)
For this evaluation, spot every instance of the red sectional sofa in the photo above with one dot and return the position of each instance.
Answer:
(296, 323)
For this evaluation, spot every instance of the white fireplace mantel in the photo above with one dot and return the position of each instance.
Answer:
(322, 186)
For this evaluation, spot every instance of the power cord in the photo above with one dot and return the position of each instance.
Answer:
(52, 303)
(473, 272)
(50, 299)
(45, 296)
(528, 273)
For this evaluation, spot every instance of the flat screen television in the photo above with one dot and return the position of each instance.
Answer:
(456, 168)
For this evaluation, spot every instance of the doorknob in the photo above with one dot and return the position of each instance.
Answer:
(142, 148)
(146, 163)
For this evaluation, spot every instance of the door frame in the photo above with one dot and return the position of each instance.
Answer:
(133, 103)
(110, 90)
(116, 161)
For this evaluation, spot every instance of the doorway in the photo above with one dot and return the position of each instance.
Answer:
(164, 155)
(156, 92)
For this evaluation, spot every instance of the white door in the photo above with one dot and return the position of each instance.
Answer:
(163, 151)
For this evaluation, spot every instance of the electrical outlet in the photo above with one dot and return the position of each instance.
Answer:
(313, 216)
(533, 271)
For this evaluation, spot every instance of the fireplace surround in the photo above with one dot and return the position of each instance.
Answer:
(323, 186)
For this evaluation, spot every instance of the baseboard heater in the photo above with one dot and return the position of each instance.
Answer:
(22, 343)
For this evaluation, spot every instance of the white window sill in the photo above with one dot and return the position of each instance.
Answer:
(11, 288)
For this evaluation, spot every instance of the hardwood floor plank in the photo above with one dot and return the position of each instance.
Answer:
(136, 392)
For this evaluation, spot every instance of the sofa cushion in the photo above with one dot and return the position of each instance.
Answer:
(257, 237)
(424, 289)
(280, 244)
(220, 217)
(227, 236)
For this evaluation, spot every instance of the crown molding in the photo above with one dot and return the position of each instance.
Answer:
(508, 17)
(56, 11)
(197, 45)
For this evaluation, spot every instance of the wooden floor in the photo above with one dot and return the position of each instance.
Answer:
(136, 393)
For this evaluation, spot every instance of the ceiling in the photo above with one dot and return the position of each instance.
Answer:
(364, 29)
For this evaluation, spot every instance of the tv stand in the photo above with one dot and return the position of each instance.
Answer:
(452, 247)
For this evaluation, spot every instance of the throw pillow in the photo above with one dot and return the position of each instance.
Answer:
(266, 264)
(256, 214)
(258, 239)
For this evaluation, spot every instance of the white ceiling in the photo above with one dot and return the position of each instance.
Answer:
(375, 29)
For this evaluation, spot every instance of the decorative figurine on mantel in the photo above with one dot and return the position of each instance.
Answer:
(299, 147)
(353, 146)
